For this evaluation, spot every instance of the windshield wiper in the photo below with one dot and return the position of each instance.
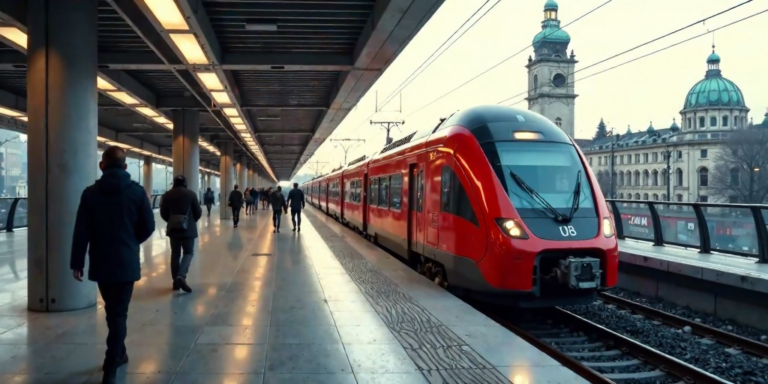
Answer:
(537, 197)
(576, 197)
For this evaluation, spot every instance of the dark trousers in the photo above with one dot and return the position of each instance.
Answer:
(296, 217)
(182, 251)
(276, 214)
(117, 297)
(236, 215)
(208, 205)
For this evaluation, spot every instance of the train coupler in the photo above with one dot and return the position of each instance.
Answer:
(579, 272)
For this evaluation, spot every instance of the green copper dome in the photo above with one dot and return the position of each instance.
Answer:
(714, 90)
(650, 129)
(550, 28)
(551, 5)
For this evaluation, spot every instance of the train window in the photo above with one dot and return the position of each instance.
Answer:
(346, 190)
(454, 199)
(358, 191)
(384, 192)
(373, 197)
(396, 191)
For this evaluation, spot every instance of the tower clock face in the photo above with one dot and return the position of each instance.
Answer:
(559, 80)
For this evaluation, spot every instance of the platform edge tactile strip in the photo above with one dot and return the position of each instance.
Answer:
(438, 352)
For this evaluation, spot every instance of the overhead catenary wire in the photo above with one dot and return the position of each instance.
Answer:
(660, 50)
(570, 75)
(415, 74)
(507, 59)
(435, 52)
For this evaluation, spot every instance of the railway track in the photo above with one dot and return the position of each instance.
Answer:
(736, 342)
(598, 354)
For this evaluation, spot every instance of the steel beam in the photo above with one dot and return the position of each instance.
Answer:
(392, 24)
(149, 61)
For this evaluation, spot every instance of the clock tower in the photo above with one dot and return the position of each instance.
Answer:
(551, 90)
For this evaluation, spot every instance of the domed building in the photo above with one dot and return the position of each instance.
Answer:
(634, 165)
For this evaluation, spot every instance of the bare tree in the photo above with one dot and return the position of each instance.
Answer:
(741, 167)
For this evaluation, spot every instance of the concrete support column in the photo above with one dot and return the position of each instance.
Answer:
(62, 130)
(186, 150)
(242, 173)
(146, 175)
(226, 179)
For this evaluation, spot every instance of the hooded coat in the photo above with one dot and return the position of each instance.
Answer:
(113, 219)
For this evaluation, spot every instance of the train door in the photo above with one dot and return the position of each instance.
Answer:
(364, 201)
(415, 208)
(432, 177)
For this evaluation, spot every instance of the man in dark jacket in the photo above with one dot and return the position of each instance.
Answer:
(209, 200)
(277, 201)
(113, 219)
(180, 208)
(296, 202)
(235, 201)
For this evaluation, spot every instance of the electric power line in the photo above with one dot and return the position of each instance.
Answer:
(391, 95)
(661, 49)
(411, 78)
(507, 59)
(637, 47)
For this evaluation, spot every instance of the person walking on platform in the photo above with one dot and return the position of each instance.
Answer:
(235, 201)
(248, 200)
(113, 219)
(209, 200)
(181, 210)
(277, 201)
(255, 197)
(296, 202)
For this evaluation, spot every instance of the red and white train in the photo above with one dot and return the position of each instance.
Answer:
(495, 203)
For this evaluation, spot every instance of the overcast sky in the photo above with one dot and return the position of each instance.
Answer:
(650, 89)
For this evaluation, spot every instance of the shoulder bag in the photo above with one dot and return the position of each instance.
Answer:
(178, 223)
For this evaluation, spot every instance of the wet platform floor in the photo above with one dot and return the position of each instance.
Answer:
(322, 306)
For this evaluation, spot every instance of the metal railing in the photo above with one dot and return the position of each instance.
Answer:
(736, 229)
(13, 211)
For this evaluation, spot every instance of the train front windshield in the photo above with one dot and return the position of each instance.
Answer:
(543, 178)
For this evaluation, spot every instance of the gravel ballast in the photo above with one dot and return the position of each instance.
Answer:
(714, 358)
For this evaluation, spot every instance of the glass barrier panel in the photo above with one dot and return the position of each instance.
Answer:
(636, 220)
(5, 209)
(679, 224)
(20, 218)
(731, 229)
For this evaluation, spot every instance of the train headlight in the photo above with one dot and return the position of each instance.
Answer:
(512, 228)
(607, 227)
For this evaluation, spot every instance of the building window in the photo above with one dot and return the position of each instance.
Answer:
(646, 178)
(663, 197)
(703, 199)
(679, 155)
(664, 178)
(637, 178)
(703, 177)
(713, 121)
(655, 157)
(600, 160)
(645, 158)
(679, 198)
(735, 177)
(629, 159)
(621, 195)
(725, 123)
(621, 159)
(655, 178)
(559, 122)
(621, 178)
(689, 125)
(655, 197)
(701, 121)
(637, 196)
(535, 83)
(703, 154)
(679, 177)
(645, 196)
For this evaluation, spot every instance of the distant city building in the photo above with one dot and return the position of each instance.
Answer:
(712, 109)
(550, 87)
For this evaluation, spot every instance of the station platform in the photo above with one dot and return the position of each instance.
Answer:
(729, 286)
(322, 306)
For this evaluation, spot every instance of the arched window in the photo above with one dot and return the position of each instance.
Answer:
(703, 177)
(701, 121)
(637, 178)
(679, 197)
(629, 196)
(646, 178)
(725, 120)
(663, 197)
(621, 178)
(679, 177)
(645, 196)
(690, 124)
(629, 178)
(655, 178)
(735, 177)
(637, 196)
(655, 197)
(535, 83)
(559, 122)
(713, 121)
(621, 195)
(664, 177)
